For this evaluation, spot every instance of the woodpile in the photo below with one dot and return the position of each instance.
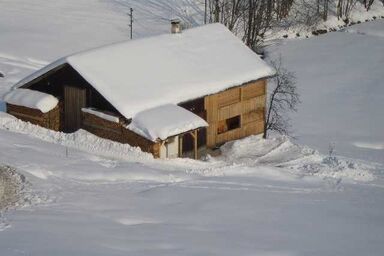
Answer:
(118, 132)
(50, 120)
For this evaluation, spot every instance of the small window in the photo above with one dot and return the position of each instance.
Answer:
(228, 125)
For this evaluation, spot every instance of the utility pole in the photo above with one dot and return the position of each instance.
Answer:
(205, 12)
(131, 21)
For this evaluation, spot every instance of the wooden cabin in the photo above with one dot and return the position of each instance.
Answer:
(206, 71)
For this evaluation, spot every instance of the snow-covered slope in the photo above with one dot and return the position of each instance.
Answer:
(303, 21)
(89, 196)
(261, 197)
(340, 79)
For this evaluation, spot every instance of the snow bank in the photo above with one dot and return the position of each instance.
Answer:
(165, 121)
(370, 145)
(31, 99)
(15, 190)
(172, 68)
(102, 115)
(361, 14)
(9, 188)
(340, 81)
(368, 28)
(276, 158)
(301, 24)
(294, 159)
(81, 139)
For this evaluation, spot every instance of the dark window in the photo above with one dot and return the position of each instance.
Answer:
(229, 124)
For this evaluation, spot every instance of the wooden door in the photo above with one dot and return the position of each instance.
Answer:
(74, 101)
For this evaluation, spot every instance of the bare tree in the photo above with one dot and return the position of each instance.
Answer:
(227, 12)
(368, 4)
(322, 8)
(325, 9)
(307, 12)
(257, 19)
(344, 9)
(247, 18)
(282, 8)
(282, 99)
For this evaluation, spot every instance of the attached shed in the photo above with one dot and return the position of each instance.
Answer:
(206, 70)
(35, 107)
(166, 125)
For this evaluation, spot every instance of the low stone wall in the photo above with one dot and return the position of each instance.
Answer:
(117, 132)
(50, 120)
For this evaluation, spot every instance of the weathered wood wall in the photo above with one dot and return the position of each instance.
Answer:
(74, 101)
(54, 82)
(247, 102)
(50, 120)
(117, 132)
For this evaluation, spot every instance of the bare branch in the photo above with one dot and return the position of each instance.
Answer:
(283, 98)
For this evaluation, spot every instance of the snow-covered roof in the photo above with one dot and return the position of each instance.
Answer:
(31, 99)
(165, 121)
(172, 68)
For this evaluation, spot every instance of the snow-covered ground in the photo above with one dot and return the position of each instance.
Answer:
(259, 198)
(82, 195)
(341, 83)
(303, 21)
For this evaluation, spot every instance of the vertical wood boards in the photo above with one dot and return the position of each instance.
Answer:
(74, 101)
(247, 101)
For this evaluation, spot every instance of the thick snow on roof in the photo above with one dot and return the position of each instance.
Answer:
(165, 121)
(172, 68)
(31, 99)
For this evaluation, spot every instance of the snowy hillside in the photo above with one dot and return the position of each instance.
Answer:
(77, 194)
(261, 197)
(304, 22)
(341, 82)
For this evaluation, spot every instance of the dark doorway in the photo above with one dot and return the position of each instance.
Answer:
(74, 100)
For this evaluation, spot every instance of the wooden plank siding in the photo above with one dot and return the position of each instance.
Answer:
(228, 97)
(74, 101)
(247, 101)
